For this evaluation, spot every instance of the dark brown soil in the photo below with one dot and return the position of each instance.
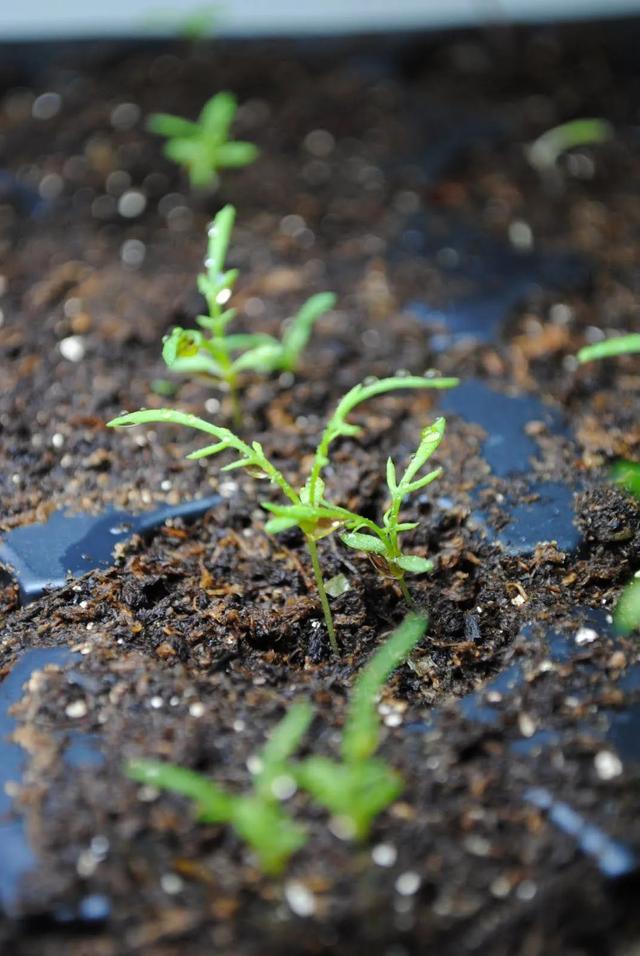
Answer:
(194, 644)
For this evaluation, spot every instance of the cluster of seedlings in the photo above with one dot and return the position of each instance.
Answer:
(222, 358)
(357, 786)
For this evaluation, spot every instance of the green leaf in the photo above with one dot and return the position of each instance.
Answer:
(236, 154)
(277, 525)
(217, 115)
(164, 387)
(181, 343)
(168, 416)
(392, 482)
(241, 341)
(361, 731)
(188, 152)
(627, 474)
(165, 124)
(544, 152)
(430, 439)
(329, 782)
(355, 792)
(302, 512)
(337, 586)
(627, 612)
(297, 335)
(413, 564)
(207, 451)
(620, 345)
(423, 482)
(363, 542)
(283, 742)
(198, 365)
(263, 358)
(269, 831)
(214, 805)
(219, 236)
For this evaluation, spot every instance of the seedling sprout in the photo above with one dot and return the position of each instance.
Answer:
(257, 817)
(359, 786)
(625, 473)
(545, 151)
(203, 147)
(308, 508)
(221, 357)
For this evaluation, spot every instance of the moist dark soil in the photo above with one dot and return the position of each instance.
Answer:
(380, 161)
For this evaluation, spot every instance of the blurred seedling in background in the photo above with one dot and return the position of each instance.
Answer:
(203, 147)
(222, 358)
(380, 542)
(618, 345)
(544, 152)
(257, 817)
(197, 24)
(308, 508)
(354, 790)
(624, 473)
(359, 786)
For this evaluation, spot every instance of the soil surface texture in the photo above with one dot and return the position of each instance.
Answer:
(393, 173)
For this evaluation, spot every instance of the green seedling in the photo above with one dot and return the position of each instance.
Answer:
(619, 345)
(545, 151)
(257, 817)
(204, 147)
(359, 786)
(380, 542)
(308, 507)
(627, 613)
(627, 475)
(222, 358)
(624, 473)
(195, 25)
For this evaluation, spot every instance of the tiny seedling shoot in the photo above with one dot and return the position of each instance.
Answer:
(618, 345)
(204, 147)
(219, 357)
(381, 541)
(358, 787)
(625, 473)
(257, 817)
(544, 152)
(308, 507)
